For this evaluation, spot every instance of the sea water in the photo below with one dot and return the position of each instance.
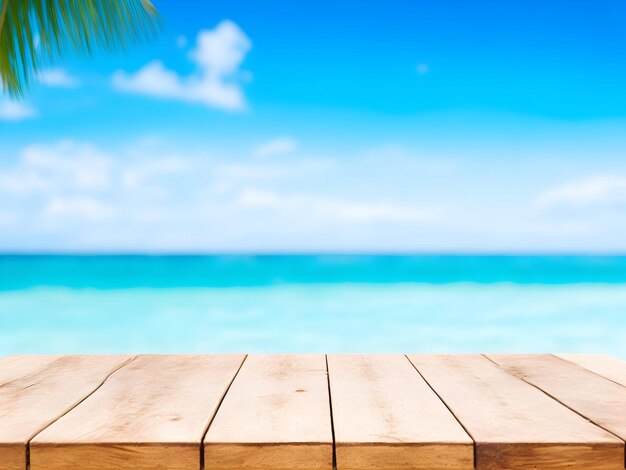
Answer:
(313, 303)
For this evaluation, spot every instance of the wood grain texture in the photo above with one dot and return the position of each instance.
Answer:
(30, 403)
(386, 417)
(151, 412)
(150, 415)
(607, 366)
(276, 415)
(514, 425)
(18, 366)
(600, 400)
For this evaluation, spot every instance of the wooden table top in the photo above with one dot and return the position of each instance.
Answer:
(312, 412)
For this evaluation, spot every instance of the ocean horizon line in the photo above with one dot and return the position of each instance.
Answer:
(304, 253)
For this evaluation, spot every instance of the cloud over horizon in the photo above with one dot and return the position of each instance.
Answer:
(96, 198)
(286, 195)
(594, 193)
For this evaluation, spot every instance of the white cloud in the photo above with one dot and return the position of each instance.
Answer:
(81, 207)
(257, 198)
(152, 79)
(76, 182)
(21, 181)
(274, 147)
(216, 82)
(15, 110)
(144, 197)
(382, 212)
(58, 77)
(594, 192)
(240, 172)
(66, 164)
(337, 209)
(7, 219)
(138, 175)
(49, 170)
(78, 167)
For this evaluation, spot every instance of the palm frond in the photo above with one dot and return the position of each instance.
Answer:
(35, 33)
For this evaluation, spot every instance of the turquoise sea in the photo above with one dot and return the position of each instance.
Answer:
(322, 303)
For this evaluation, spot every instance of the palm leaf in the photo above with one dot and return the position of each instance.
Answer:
(35, 33)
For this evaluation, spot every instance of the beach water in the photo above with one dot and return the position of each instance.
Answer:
(166, 304)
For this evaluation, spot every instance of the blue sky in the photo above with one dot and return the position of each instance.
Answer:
(330, 126)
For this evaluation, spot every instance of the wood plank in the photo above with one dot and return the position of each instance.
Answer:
(18, 366)
(276, 415)
(152, 414)
(596, 398)
(30, 403)
(607, 366)
(386, 417)
(514, 425)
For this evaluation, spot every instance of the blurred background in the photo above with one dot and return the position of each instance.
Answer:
(330, 176)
